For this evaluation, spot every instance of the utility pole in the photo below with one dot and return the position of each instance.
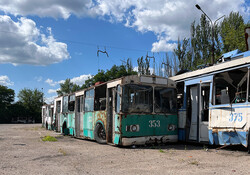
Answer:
(212, 26)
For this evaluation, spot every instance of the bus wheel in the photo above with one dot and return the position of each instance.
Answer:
(99, 134)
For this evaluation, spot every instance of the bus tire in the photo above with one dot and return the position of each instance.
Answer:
(99, 134)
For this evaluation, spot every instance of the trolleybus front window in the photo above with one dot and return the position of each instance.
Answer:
(165, 100)
(137, 98)
(230, 87)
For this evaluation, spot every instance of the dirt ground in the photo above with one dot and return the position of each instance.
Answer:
(23, 152)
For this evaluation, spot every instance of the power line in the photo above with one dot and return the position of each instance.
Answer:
(91, 44)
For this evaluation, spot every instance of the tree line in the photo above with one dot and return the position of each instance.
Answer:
(26, 109)
(197, 50)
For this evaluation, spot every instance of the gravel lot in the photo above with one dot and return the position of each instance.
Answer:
(23, 152)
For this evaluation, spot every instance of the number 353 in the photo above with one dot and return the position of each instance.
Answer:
(154, 123)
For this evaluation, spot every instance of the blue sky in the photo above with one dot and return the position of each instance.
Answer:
(44, 42)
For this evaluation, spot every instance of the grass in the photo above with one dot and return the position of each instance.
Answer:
(49, 139)
(194, 163)
(62, 151)
(161, 151)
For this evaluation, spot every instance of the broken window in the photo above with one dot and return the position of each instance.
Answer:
(89, 101)
(118, 99)
(58, 106)
(230, 87)
(165, 100)
(71, 105)
(65, 104)
(180, 94)
(78, 104)
(52, 112)
(44, 111)
(100, 97)
(137, 98)
(204, 108)
(82, 104)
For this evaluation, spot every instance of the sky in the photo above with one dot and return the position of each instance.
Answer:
(44, 42)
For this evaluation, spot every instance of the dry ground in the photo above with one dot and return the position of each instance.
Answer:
(23, 152)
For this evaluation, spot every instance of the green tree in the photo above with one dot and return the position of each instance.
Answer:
(143, 66)
(181, 52)
(113, 73)
(67, 87)
(232, 32)
(201, 42)
(32, 100)
(6, 98)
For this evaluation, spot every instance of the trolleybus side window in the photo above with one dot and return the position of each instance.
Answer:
(89, 101)
(137, 98)
(100, 98)
(118, 99)
(58, 106)
(180, 94)
(65, 104)
(230, 87)
(82, 103)
(165, 100)
(71, 103)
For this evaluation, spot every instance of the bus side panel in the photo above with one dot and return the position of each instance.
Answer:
(117, 129)
(88, 130)
(101, 117)
(63, 118)
(182, 115)
(71, 123)
(81, 123)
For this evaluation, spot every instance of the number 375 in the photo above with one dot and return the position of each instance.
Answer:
(235, 117)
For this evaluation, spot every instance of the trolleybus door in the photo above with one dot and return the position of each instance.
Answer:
(77, 118)
(113, 122)
(109, 132)
(57, 114)
(204, 111)
(194, 112)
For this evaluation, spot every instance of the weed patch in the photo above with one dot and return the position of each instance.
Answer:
(49, 139)
(161, 151)
(62, 151)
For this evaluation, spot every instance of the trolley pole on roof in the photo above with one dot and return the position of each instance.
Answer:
(212, 27)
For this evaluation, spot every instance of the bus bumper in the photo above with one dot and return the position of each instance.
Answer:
(228, 138)
(148, 140)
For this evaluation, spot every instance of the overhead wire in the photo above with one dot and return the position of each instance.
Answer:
(90, 44)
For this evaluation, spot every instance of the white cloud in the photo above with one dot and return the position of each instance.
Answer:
(22, 42)
(39, 79)
(47, 8)
(52, 91)
(5, 81)
(49, 100)
(81, 79)
(167, 19)
(163, 45)
(53, 83)
(76, 80)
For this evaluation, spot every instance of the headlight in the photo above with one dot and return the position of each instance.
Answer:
(171, 127)
(132, 128)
